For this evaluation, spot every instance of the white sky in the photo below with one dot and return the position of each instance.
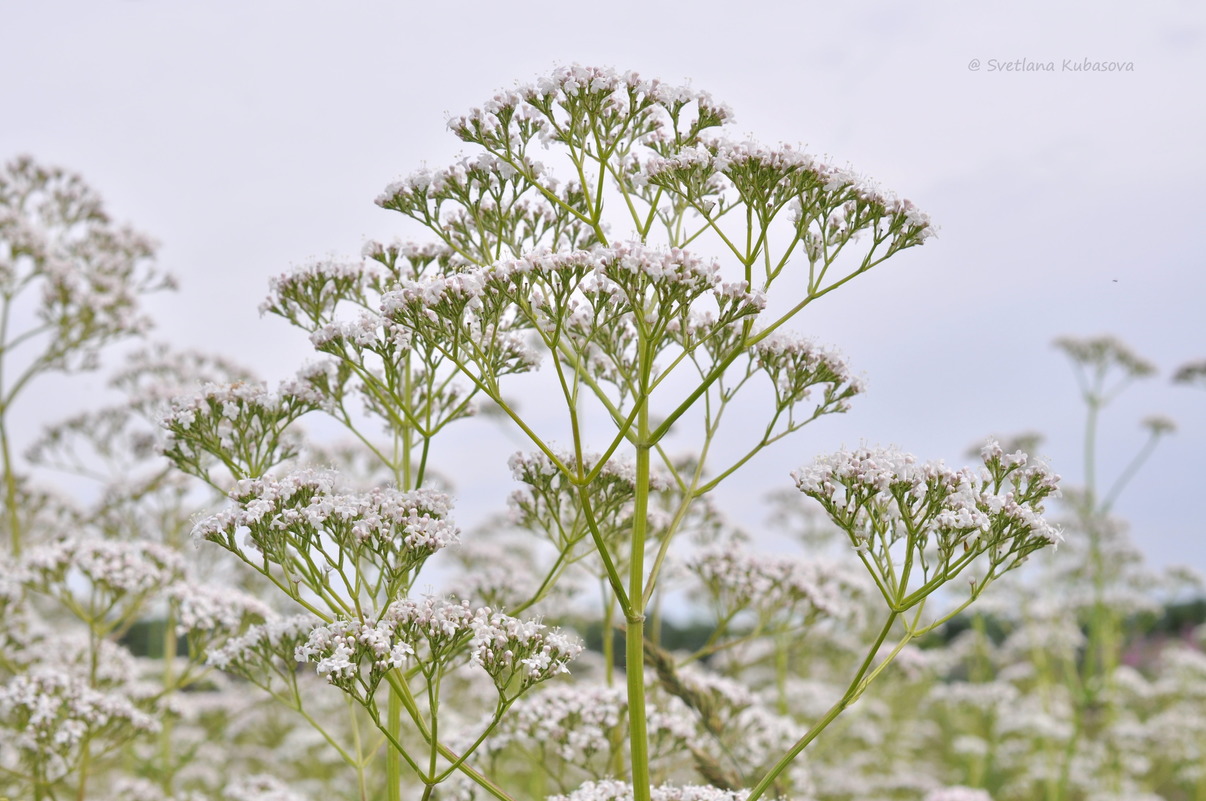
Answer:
(251, 137)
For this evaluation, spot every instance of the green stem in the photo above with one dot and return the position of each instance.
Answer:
(1127, 474)
(393, 759)
(1092, 400)
(10, 489)
(852, 693)
(169, 683)
(10, 478)
(609, 641)
(634, 633)
(781, 655)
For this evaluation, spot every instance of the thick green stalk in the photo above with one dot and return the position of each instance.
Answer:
(634, 634)
(393, 757)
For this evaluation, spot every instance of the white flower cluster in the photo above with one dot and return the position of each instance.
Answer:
(1191, 373)
(122, 568)
(775, 585)
(362, 332)
(260, 787)
(573, 722)
(434, 630)
(319, 381)
(463, 289)
(481, 316)
(242, 425)
(55, 232)
(755, 736)
(208, 608)
(308, 293)
(584, 726)
(768, 178)
(529, 107)
(395, 530)
(796, 365)
(958, 793)
(955, 500)
(1159, 424)
(337, 644)
(984, 697)
(230, 405)
(108, 665)
(938, 519)
(570, 81)
(611, 790)
(481, 177)
(133, 788)
(274, 640)
(623, 278)
(626, 261)
(54, 711)
(456, 314)
(605, 271)
(722, 155)
(508, 648)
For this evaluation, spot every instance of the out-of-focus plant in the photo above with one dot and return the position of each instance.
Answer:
(82, 574)
(57, 243)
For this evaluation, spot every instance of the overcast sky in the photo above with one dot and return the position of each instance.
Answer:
(248, 137)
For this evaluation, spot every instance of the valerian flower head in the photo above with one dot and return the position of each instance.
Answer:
(54, 714)
(383, 536)
(206, 612)
(1191, 373)
(796, 366)
(242, 425)
(112, 568)
(268, 647)
(958, 793)
(480, 317)
(827, 204)
(574, 101)
(551, 501)
(54, 232)
(1159, 424)
(260, 787)
(308, 295)
(780, 590)
(516, 654)
(575, 722)
(1103, 353)
(938, 519)
(610, 790)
